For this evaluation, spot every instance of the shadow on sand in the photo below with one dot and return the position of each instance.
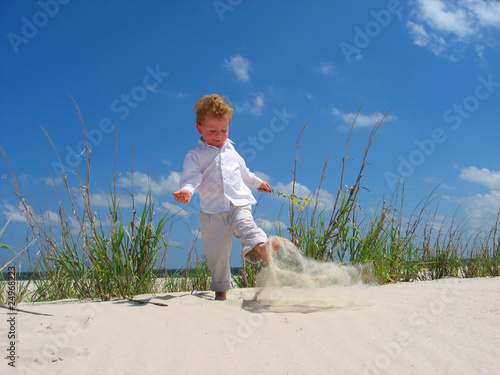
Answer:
(303, 301)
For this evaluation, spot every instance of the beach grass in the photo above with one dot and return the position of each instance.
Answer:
(115, 256)
(397, 247)
(93, 257)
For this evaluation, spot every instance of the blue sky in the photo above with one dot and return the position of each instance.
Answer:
(141, 66)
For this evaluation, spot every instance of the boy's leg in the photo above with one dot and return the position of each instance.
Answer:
(216, 239)
(253, 238)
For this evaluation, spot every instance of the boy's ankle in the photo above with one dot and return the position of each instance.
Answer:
(220, 296)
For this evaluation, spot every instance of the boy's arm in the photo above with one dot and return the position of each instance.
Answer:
(251, 179)
(190, 179)
(248, 177)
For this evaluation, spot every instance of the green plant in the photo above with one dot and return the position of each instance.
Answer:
(330, 238)
(12, 289)
(391, 246)
(247, 277)
(95, 258)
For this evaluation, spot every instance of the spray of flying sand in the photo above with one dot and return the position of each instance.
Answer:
(292, 282)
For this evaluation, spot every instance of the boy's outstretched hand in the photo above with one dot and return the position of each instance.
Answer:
(264, 187)
(182, 196)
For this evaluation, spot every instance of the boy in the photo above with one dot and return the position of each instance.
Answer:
(219, 173)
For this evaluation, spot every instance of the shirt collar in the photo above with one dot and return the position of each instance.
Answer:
(202, 143)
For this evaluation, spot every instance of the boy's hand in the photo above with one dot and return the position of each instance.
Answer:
(264, 187)
(182, 196)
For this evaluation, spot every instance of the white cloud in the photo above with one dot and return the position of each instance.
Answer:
(421, 38)
(144, 183)
(486, 12)
(269, 226)
(362, 120)
(17, 214)
(300, 190)
(173, 208)
(326, 198)
(98, 200)
(240, 66)
(12, 212)
(446, 27)
(482, 207)
(255, 106)
(479, 51)
(482, 176)
(327, 68)
(424, 39)
(445, 16)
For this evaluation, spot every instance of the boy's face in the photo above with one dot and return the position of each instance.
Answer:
(214, 130)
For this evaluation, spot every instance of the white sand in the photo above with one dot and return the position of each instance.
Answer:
(450, 326)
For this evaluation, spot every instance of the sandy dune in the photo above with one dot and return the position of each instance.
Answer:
(449, 326)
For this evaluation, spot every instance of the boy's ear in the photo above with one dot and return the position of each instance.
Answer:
(198, 127)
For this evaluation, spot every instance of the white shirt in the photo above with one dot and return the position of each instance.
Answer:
(220, 175)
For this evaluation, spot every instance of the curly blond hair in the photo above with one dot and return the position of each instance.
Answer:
(213, 105)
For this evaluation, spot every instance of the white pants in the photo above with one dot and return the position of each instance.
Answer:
(217, 231)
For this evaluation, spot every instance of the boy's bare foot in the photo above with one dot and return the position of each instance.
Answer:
(275, 246)
(220, 296)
